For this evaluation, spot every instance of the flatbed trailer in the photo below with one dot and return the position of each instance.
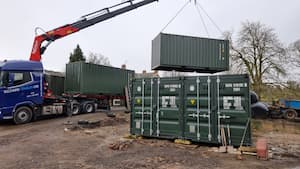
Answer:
(285, 108)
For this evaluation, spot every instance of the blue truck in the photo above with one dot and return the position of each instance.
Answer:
(24, 94)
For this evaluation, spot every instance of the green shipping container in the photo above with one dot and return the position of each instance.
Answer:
(86, 78)
(55, 82)
(192, 108)
(189, 54)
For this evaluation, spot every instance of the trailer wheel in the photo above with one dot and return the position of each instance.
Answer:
(76, 109)
(23, 115)
(89, 107)
(290, 114)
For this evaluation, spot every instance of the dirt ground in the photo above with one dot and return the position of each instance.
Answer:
(56, 143)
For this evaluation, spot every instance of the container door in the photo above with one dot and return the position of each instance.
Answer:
(198, 114)
(169, 108)
(233, 108)
(142, 113)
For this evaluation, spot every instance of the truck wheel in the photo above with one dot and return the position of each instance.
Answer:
(290, 114)
(76, 109)
(23, 115)
(89, 107)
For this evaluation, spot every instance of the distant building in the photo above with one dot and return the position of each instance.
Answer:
(123, 66)
(144, 74)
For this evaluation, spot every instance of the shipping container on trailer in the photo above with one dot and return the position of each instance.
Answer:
(103, 84)
(192, 108)
(189, 54)
(87, 78)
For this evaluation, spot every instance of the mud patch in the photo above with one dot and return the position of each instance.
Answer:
(92, 124)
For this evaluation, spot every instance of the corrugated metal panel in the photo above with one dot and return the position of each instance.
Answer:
(89, 78)
(193, 108)
(234, 106)
(185, 53)
(73, 77)
(55, 81)
(198, 106)
(169, 106)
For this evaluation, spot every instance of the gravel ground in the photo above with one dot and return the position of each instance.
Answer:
(56, 143)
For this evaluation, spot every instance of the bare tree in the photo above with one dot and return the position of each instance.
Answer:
(258, 52)
(99, 59)
(295, 53)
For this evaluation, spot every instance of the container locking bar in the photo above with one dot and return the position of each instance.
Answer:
(151, 110)
(143, 105)
(145, 113)
(198, 110)
(194, 115)
(208, 107)
(224, 117)
(158, 109)
(218, 111)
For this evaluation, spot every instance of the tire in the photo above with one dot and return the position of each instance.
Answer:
(89, 107)
(290, 114)
(22, 115)
(76, 109)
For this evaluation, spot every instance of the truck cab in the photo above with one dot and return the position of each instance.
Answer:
(21, 90)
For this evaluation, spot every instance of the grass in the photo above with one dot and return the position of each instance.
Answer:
(256, 125)
(277, 126)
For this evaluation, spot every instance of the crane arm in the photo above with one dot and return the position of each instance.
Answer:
(84, 22)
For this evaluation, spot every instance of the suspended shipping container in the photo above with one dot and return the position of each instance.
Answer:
(192, 108)
(87, 78)
(189, 54)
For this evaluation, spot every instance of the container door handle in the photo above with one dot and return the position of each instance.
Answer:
(224, 117)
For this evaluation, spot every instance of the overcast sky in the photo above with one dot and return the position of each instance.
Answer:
(127, 38)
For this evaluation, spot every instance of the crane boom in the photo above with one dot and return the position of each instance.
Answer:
(84, 22)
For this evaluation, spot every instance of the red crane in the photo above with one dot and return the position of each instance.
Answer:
(84, 22)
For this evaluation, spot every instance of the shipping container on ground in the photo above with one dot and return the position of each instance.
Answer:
(189, 54)
(192, 108)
